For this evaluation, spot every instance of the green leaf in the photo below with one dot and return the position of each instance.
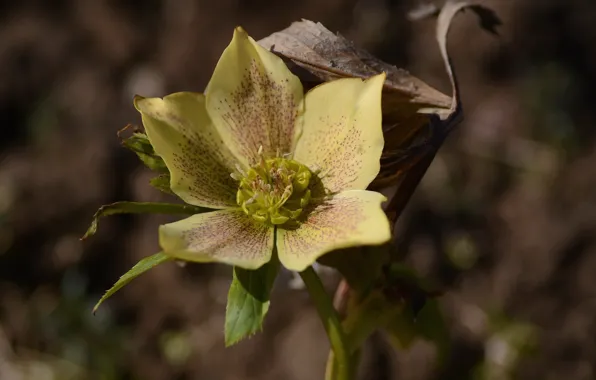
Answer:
(141, 208)
(140, 268)
(162, 183)
(140, 144)
(248, 300)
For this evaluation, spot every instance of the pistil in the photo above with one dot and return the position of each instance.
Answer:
(275, 191)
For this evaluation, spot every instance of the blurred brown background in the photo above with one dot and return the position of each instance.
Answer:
(504, 220)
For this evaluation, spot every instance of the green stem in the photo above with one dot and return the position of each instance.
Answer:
(331, 323)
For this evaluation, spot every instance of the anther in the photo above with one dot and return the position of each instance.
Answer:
(251, 200)
(287, 191)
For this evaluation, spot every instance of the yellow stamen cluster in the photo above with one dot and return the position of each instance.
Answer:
(275, 191)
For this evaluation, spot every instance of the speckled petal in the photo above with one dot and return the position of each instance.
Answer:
(183, 135)
(224, 236)
(351, 218)
(342, 135)
(254, 100)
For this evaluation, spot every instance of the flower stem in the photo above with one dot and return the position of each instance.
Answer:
(331, 323)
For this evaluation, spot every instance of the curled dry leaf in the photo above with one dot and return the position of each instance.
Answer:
(440, 123)
(416, 117)
(316, 55)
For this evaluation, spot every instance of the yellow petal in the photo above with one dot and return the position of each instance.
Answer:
(183, 135)
(342, 134)
(224, 236)
(351, 218)
(254, 100)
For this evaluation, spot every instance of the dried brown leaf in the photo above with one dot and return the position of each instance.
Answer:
(416, 117)
(441, 123)
(427, 118)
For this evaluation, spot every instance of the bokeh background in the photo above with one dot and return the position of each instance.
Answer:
(504, 221)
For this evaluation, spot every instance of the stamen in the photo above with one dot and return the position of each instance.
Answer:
(287, 191)
(262, 161)
(251, 200)
(240, 170)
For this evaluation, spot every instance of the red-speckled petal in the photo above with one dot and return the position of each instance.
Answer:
(351, 218)
(183, 135)
(342, 134)
(225, 236)
(254, 100)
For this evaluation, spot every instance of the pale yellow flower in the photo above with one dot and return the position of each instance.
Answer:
(282, 169)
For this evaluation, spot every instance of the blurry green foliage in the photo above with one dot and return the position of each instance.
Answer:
(508, 343)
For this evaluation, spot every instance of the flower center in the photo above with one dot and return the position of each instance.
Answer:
(275, 191)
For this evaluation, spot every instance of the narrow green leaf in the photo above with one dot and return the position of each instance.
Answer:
(140, 268)
(248, 300)
(141, 208)
(140, 144)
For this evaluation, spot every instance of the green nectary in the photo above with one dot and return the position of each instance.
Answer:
(275, 191)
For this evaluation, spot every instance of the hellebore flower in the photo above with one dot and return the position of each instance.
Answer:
(281, 169)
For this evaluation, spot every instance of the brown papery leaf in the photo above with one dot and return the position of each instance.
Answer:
(413, 168)
(416, 117)
(416, 121)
